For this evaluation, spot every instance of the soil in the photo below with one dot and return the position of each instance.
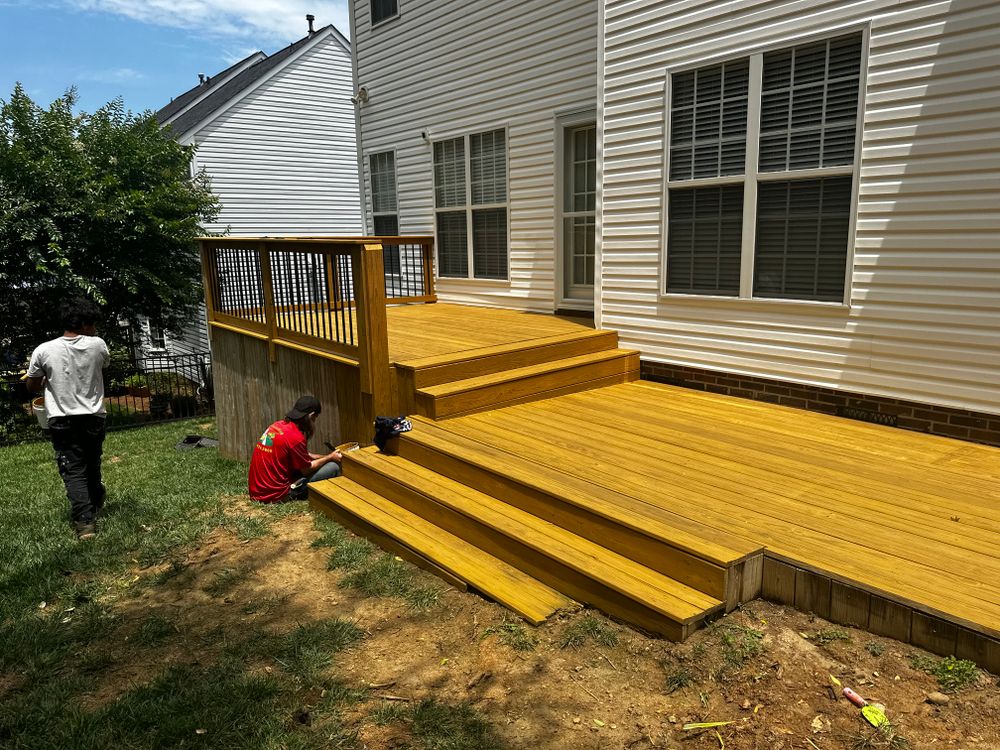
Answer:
(589, 697)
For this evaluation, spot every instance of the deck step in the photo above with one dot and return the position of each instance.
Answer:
(532, 382)
(580, 568)
(473, 363)
(677, 546)
(367, 511)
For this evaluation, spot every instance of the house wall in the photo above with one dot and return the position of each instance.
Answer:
(447, 67)
(282, 159)
(923, 323)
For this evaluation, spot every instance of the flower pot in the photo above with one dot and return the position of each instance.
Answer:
(38, 407)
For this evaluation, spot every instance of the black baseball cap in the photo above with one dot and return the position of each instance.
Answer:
(305, 405)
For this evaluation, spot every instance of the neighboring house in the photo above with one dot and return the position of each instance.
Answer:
(793, 202)
(275, 134)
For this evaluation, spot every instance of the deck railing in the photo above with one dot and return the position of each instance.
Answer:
(319, 294)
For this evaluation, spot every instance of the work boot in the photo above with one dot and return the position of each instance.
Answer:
(85, 530)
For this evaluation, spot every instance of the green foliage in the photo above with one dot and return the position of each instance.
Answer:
(677, 679)
(829, 635)
(136, 380)
(94, 205)
(512, 634)
(875, 648)
(952, 674)
(588, 628)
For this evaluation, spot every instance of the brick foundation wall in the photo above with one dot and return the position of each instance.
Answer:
(910, 415)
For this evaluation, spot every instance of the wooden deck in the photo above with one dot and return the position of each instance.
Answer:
(894, 531)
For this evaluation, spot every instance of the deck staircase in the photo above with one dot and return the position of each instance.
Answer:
(488, 378)
(533, 539)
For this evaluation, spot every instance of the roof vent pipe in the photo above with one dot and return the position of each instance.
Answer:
(310, 18)
(201, 79)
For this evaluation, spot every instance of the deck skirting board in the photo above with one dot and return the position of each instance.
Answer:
(839, 602)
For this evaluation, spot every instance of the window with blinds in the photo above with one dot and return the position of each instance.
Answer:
(705, 237)
(802, 228)
(708, 121)
(790, 172)
(385, 220)
(472, 223)
(383, 10)
(809, 105)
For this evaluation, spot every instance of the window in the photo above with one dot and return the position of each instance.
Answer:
(383, 10)
(385, 219)
(157, 337)
(787, 165)
(470, 200)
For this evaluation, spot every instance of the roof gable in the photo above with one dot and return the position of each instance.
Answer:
(234, 89)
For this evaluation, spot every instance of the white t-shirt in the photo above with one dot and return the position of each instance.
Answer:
(73, 367)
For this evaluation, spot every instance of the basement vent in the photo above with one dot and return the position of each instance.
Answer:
(867, 415)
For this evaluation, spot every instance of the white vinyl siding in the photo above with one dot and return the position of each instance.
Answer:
(487, 66)
(922, 321)
(282, 159)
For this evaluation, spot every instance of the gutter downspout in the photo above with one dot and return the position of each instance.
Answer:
(359, 141)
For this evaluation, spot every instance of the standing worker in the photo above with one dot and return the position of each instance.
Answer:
(71, 370)
(281, 465)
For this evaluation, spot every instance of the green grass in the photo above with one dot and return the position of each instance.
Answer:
(588, 629)
(952, 674)
(678, 678)
(230, 686)
(512, 634)
(441, 726)
(829, 635)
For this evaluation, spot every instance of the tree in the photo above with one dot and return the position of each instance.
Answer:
(101, 205)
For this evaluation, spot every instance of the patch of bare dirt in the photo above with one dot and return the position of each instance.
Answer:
(765, 669)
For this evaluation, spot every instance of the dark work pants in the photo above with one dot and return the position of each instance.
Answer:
(79, 441)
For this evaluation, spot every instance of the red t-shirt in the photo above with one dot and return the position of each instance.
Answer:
(279, 458)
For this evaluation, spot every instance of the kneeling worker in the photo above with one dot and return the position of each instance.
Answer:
(280, 459)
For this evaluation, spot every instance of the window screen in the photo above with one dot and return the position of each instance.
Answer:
(449, 173)
(383, 9)
(383, 176)
(453, 247)
(388, 226)
(704, 240)
(489, 242)
(809, 105)
(802, 238)
(488, 160)
(708, 121)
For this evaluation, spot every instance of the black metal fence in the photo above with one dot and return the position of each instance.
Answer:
(137, 391)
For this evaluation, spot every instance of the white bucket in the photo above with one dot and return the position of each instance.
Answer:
(38, 406)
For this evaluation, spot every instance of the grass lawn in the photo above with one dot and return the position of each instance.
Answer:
(114, 643)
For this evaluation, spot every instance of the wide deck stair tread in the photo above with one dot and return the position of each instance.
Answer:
(657, 592)
(531, 382)
(471, 363)
(506, 584)
(513, 462)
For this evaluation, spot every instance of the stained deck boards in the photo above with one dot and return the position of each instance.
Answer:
(908, 516)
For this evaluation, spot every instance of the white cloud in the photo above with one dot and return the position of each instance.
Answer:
(112, 75)
(280, 21)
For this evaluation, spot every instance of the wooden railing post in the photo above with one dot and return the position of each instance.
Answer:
(268, 296)
(208, 280)
(428, 258)
(373, 334)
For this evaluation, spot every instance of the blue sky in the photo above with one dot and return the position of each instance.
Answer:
(145, 51)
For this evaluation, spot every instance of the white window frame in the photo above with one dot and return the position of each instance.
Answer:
(150, 328)
(751, 177)
(469, 207)
(373, 24)
(371, 185)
